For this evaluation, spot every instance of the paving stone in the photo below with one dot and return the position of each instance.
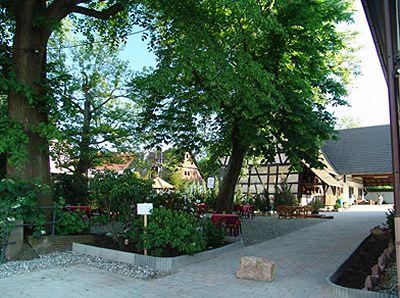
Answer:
(304, 259)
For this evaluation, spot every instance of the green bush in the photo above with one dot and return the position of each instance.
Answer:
(72, 223)
(262, 202)
(173, 201)
(390, 222)
(214, 235)
(119, 193)
(171, 233)
(284, 196)
(71, 189)
(198, 192)
(317, 204)
(19, 202)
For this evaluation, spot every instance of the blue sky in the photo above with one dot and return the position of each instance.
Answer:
(368, 95)
(137, 54)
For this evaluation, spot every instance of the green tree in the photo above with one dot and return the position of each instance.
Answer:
(34, 21)
(92, 113)
(347, 122)
(6, 26)
(3, 119)
(247, 78)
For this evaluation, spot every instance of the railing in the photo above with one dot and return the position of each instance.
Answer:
(6, 233)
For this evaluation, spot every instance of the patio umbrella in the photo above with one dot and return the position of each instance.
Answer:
(161, 184)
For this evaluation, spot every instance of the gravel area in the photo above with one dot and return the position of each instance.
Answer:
(65, 259)
(264, 228)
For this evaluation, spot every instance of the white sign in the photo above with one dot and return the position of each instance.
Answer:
(210, 182)
(144, 208)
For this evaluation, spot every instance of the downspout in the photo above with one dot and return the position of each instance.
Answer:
(393, 92)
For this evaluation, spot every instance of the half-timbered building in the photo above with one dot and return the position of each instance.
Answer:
(358, 158)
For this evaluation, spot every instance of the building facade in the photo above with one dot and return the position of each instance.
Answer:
(359, 158)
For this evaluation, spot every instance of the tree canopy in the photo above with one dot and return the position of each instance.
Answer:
(247, 78)
(92, 110)
(31, 24)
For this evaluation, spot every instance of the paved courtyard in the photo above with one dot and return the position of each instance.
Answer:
(264, 228)
(305, 258)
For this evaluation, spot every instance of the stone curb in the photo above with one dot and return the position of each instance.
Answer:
(161, 264)
(339, 291)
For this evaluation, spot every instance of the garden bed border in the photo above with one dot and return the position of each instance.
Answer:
(340, 291)
(161, 264)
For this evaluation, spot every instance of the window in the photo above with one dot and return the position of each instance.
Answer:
(351, 191)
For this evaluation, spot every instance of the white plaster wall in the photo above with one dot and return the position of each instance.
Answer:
(387, 196)
(351, 183)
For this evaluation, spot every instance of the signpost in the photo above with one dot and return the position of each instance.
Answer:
(144, 209)
(210, 182)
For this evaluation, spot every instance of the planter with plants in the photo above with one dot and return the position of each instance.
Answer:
(172, 238)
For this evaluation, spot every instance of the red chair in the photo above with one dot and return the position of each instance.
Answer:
(228, 221)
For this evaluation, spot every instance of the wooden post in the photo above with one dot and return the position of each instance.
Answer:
(145, 227)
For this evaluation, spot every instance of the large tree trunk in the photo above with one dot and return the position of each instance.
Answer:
(231, 175)
(29, 63)
(83, 166)
(3, 165)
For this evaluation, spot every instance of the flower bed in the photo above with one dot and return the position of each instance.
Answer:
(365, 257)
(353, 277)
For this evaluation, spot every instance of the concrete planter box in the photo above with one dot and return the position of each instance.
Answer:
(161, 264)
(48, 244)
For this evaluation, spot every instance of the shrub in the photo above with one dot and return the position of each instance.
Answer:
(317, 204)
(390, 222)
(284, 196)
(261, 202)
(19, 202)
(69, 188)
(119, 193)
(214, 235)
(173, 201)
(70, 222)
(198, 192)
(171, 233)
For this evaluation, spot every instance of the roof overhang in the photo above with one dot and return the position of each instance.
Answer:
(375, 13)
(382, 16)
(326, 178)
(377, 179)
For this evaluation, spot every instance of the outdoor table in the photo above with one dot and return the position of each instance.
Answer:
(85, 209)
(228, 220)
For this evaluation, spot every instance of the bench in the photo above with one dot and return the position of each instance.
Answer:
(293, 211)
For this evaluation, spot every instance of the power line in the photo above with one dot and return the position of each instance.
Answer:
(71, 46)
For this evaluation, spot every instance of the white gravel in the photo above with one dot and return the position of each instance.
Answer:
(65, 259)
